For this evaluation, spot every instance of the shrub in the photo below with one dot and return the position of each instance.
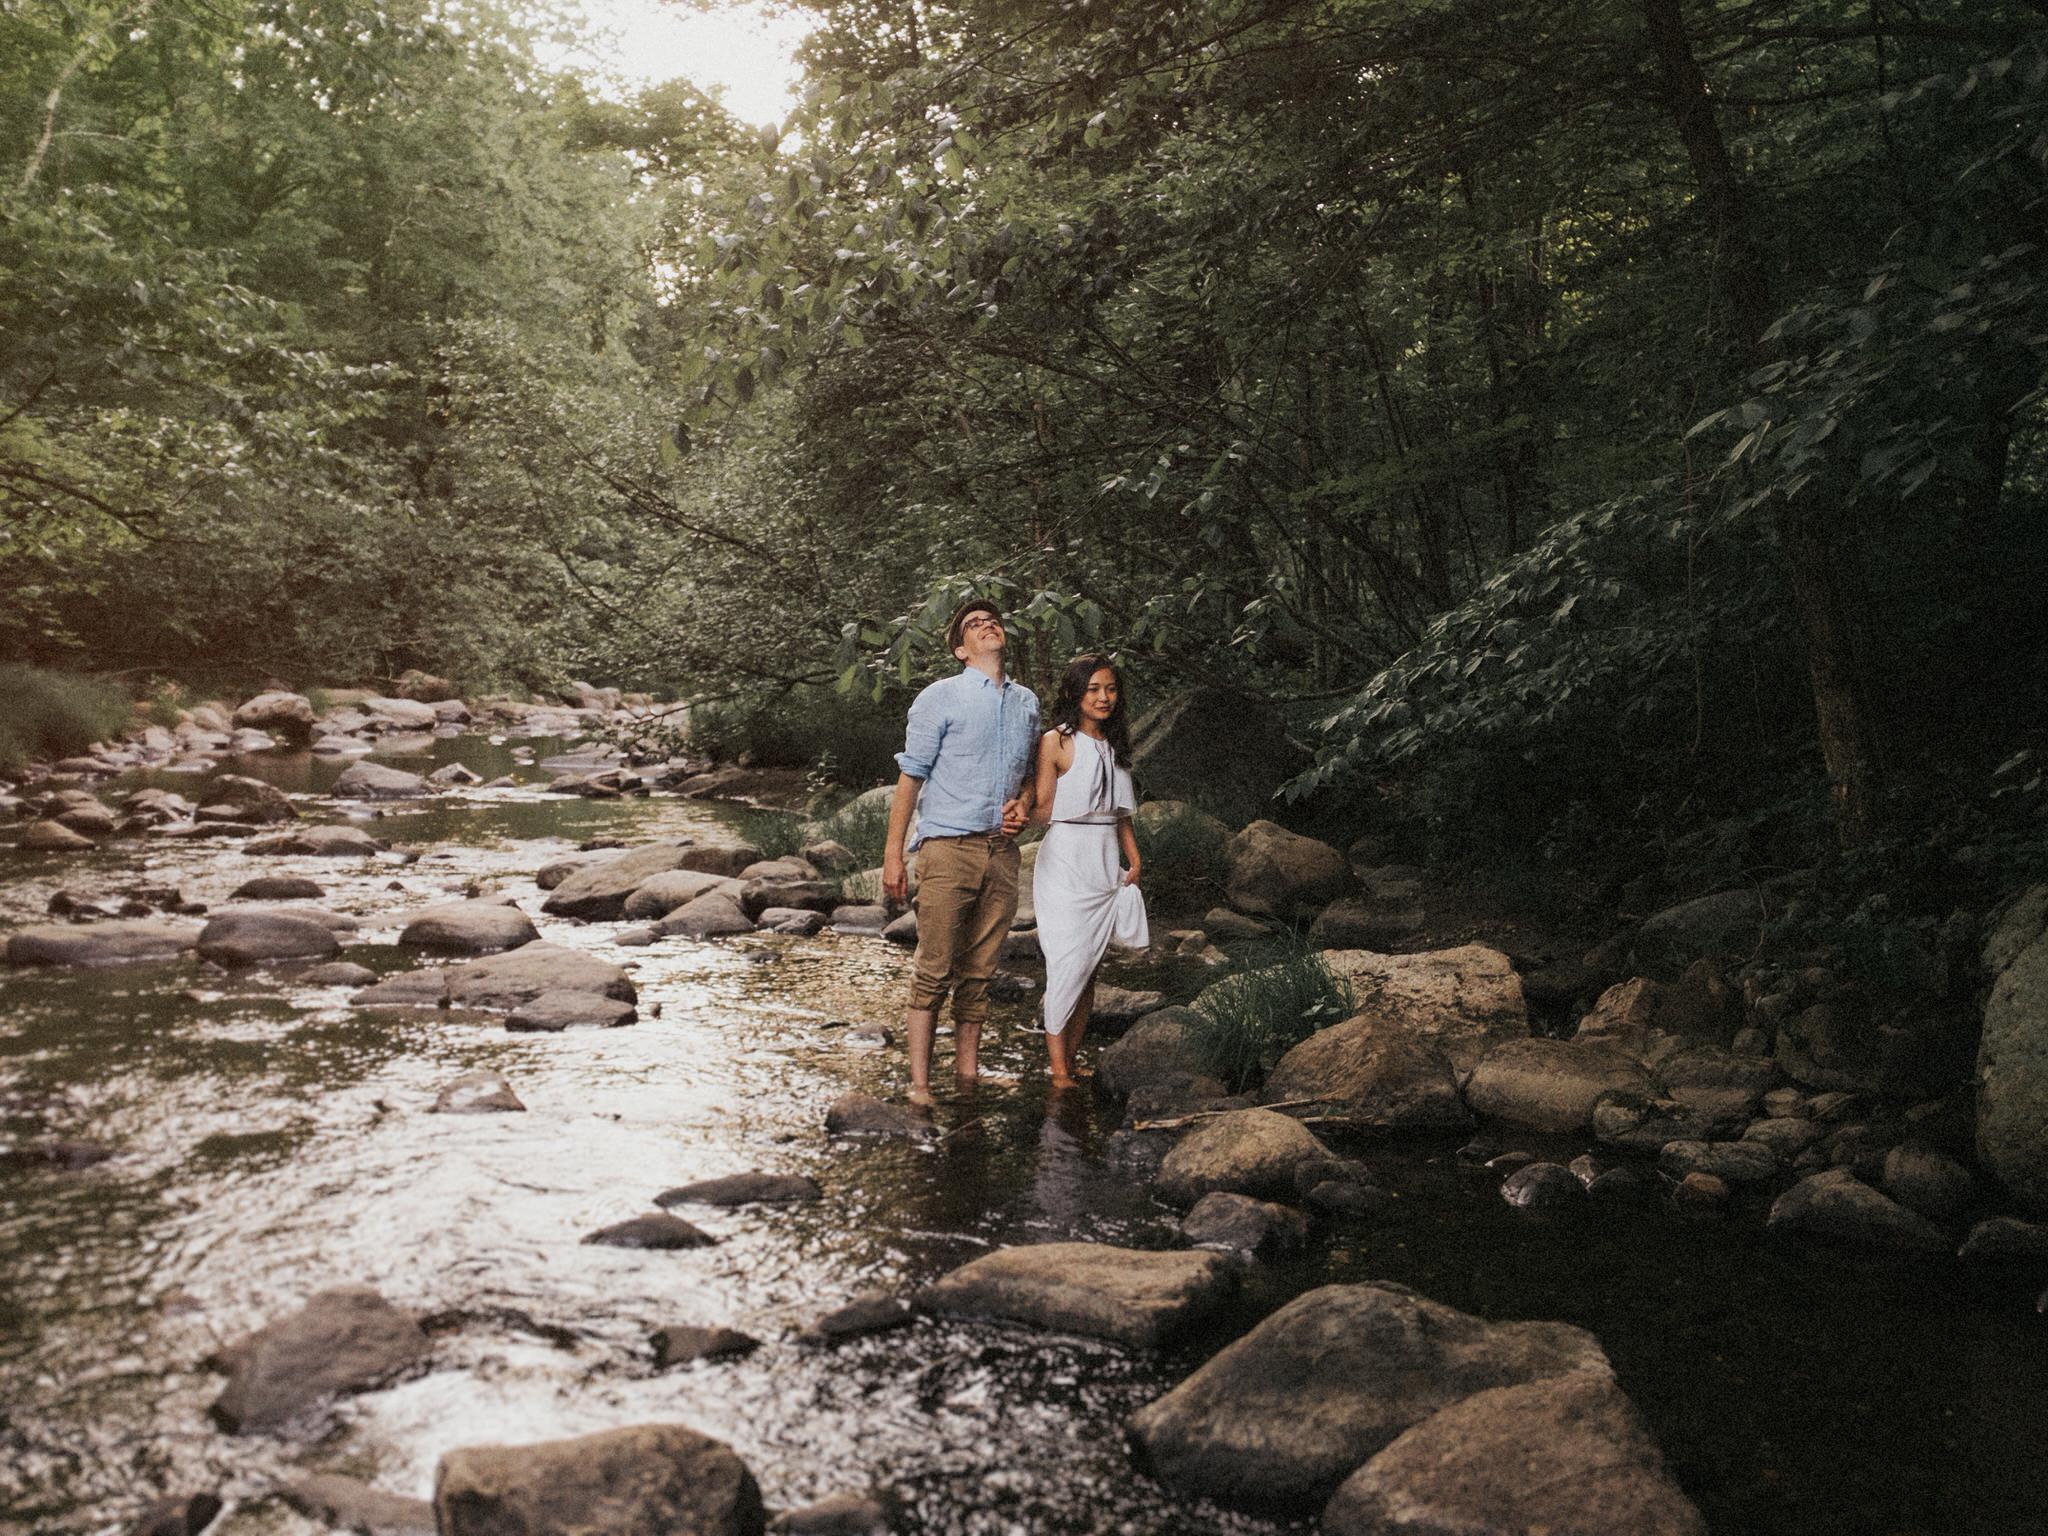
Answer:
(853, 739)
(862, 825)
(778, 834)
(52, 714)
(1246, 1022)
(1185, 856)
(165, 704)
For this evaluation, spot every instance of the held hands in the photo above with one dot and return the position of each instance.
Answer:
(1016, 816)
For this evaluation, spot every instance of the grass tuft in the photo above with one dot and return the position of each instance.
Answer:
(54, 714)
(1246, 1022)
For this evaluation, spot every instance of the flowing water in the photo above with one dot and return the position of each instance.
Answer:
(272, 1141)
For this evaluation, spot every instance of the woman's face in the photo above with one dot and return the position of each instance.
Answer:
(1099, 701)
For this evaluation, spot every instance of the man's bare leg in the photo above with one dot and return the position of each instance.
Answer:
(919, 1024)
(966, 1048)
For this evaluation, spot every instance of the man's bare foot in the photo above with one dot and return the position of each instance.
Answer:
(1062, 1083)
(921, 1097)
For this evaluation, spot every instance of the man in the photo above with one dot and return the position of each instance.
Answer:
(965, 761)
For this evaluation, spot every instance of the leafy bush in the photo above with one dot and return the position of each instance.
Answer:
(1185, 858)
(52, 714)
(1246, 1022)
(853, 739)
(778, 834)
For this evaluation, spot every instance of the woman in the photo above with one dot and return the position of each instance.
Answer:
(1084, 901)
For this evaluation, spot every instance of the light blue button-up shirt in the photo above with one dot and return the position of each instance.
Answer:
(971, 740)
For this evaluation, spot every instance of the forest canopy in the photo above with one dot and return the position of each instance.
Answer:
(1583, 417)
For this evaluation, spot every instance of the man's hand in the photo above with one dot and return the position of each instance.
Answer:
(895, 878)
(1016, 816)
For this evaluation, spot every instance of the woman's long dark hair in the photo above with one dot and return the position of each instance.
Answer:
(1066, 707)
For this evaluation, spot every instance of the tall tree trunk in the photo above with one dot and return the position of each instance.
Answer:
(1813, 530)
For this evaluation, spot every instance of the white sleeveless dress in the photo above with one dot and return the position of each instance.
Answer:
(1077, 887)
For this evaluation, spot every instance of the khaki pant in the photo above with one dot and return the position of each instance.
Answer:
(966, 898)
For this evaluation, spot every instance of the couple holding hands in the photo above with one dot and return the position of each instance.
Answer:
(976, 771)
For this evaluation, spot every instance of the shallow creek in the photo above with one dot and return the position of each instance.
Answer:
(272, 1141)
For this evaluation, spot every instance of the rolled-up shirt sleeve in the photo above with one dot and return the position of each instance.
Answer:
(921, 737)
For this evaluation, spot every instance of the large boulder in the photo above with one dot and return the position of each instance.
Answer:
(1122, 1294)
(1836, 1204)
(318, 843)
(501, 982)
(251, 935)
(552, 1012)
(125, 942)
(647, 1480)
(727, 856)
(1567, 1456)
(598, 891)
(1151, 1052)
(1374, 1074)
(374, 781)
(660, 895)
(1724, 926)
(1719, 1085)
(1550, 1085)
(468, 928)
(1247, 1152)
(1230, 751)
(344, 1340)
(49, 836)
(1279, 1419)
(2012, 1057)
(286, 714)
(714, 915)
(237, 797)
(1465, 1000)
(1277, 873)
(389, 714)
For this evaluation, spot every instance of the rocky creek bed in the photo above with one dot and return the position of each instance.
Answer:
(196, 1150)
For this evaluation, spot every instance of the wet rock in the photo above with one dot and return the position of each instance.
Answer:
(1618, 1184)
(86, 909)
(661, 894)
(374, 781)
(1277, 873)
(638, 1481)
(344, 1340)
(1247, 1152)
(1702, 1192)
(1550, 1085)
(830, 856)
(396, 716)
(278, 888)
(552, 874)
(477, 1093)
(52, 837)
(349, 1505)
(843, 1514)
(682, 1345)
(1120, 1005)
(655, 1230)
(1787, 1104)
(1348, 1198)
(1240, 1224)
(1465, 1001)
(1543, 1187)
(125, 942)
(1786, 1138)
(236, 797)
(1722, 1086)
(1835, 1108)
(860, 1114)
(286, 714)
(1280, 1418)
(743, 1189)
(902, 930)
(875, 1312)
(784, 868)
(68, 1154)
(177, 1515)
(468, 928)
(598, 891)
(791, 920)
(868, 1037)
(455, 774)
(1372, 1072)
(715, 915)
(2006, 1238)
(1838, 1205)
(1645, 1123)
(552, 1012)
(89, 820)
(319, 843)
(859, 919)
(250, 936)
(501, 982)
(1724, 926)
(1567, 1456)
(337, 973)
(1125, 1295)
(1153, 1050)
(636, 938)
(1927, 1181)
(1739, 1162)
(720, 858)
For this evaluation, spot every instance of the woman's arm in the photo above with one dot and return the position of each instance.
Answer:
(1049, 766)
(1127, 839)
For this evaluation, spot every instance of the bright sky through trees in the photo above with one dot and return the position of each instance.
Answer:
(737, 48)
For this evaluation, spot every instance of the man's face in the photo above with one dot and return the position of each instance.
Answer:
(981, 635)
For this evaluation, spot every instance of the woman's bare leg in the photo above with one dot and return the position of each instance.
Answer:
(1062, 1063)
